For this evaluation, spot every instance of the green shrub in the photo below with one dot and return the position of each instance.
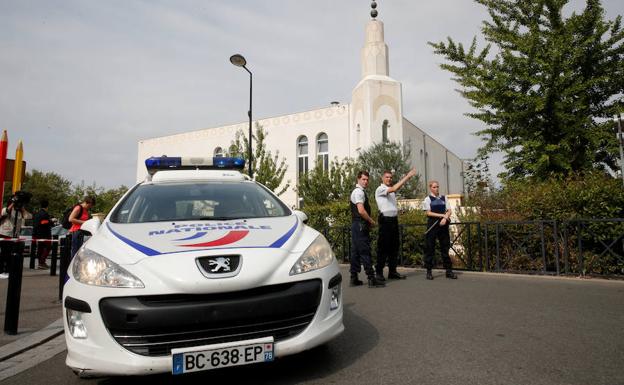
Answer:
(564, 200)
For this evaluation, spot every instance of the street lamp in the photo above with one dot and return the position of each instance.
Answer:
(239, 61)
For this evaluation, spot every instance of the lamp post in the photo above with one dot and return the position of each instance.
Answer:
(239, 61)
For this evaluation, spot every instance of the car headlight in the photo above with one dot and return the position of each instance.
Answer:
(92, 268)
(318, 255)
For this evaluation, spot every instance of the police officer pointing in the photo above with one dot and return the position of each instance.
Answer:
(388, 241)
(361, 223)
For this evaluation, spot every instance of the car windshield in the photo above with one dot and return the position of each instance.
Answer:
(197, 201)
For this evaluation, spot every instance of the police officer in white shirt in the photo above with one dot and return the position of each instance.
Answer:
(388, 241)
(361, 223)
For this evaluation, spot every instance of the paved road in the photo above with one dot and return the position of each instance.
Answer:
(481, 329)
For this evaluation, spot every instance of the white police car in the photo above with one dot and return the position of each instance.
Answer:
(197, 269)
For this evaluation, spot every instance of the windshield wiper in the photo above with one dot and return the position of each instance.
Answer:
(218, 218)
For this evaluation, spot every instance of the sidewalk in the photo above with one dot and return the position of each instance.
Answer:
(39, 322)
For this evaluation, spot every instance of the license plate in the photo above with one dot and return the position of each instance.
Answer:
(196, 359)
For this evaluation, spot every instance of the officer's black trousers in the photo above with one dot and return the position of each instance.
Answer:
(360, 248)
(440, 233)
(387, 243)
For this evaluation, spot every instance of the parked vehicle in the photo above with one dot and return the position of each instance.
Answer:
(59, 231)
(26, 235)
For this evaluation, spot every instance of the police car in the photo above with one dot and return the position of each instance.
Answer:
(198, 268)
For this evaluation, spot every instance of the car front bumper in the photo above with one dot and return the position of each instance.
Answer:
(111, 321)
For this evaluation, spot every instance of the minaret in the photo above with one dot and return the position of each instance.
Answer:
(376, 104)
(374, 54)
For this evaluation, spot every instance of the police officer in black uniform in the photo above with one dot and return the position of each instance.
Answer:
(361, 223)
(438, 213)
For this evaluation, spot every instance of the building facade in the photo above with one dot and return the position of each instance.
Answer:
(375, 114)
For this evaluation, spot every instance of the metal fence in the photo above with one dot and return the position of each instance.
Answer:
(575, 247)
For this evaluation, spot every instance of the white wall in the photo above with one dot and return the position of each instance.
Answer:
(456, 174)
(415, 137)
(283, 132)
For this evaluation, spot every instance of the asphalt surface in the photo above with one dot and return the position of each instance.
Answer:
(480, 329)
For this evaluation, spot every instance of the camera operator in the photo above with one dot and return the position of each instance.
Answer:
(14, 215)
(11, 220)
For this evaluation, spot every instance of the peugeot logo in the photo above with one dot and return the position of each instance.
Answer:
(219, 266)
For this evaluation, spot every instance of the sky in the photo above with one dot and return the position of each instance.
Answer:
(82, 81)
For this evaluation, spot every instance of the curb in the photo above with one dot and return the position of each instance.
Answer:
(32, 340)
(31, 350)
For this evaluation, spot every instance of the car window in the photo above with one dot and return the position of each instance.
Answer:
(59, 230)
(26, 231)
(198, 201)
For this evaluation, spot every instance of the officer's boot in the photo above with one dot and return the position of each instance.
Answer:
(379, 276)
(373, 282)
(355, 281)
(429, 275)
(450, 274)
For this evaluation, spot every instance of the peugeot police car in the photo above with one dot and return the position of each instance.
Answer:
(198, 268)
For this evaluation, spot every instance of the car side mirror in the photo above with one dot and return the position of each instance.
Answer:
(91, 225)
(301, 215)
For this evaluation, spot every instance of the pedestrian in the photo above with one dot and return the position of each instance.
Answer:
(388, 239)
(42, 234)
(438, 211)
(361, 223)
(11, 220)
(78, 216)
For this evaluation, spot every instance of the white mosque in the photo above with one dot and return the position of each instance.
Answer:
(375, 114)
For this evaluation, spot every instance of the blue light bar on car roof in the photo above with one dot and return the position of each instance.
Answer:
(156, 163)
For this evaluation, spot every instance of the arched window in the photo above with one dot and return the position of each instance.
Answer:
(322, 150)
(302, 154)
(218, 152)
(384, 131)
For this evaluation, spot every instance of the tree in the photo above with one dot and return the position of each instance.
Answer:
(107, 199)
(50, 186)
(545, 91)
(319, 186)
(477, 176)
(267, 169)
(394, 157)
(61, 194)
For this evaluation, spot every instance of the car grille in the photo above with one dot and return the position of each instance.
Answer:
(153, 325)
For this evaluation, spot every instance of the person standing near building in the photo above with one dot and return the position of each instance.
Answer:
(42, 234)
(78, 216)
(388, 240)
(438, 213)
(361, 222)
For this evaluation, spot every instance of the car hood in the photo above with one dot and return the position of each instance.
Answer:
(132, 242)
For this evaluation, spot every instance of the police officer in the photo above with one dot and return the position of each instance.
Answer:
(438, 213)
(361, 223)
(388, 240)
